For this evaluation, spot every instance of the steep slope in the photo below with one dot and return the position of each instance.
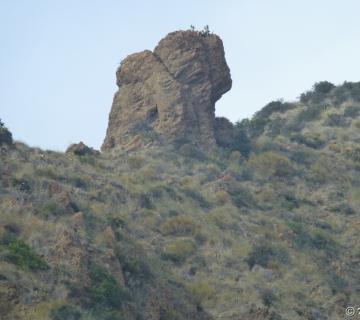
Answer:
(184, 219)
(271, 236)
(67, 253)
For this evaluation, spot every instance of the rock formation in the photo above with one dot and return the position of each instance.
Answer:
(81, 149)
(169, 94)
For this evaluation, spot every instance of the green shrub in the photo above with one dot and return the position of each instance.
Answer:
(352, 111)
(270, 164)
(320, 172)
(145, 202)
(263, 254)
(274, 106)
(197, 263)
(168, 314)
(49, 208)
(336, 120)
(257, 126)
(201, 290)
(5, 135)
(323, 87)
(323, 241)
(190, 150)
(353, 88)
(66, 312)
(240, 197)
(48, 172)
(311, 141)
(179, 226)
(178, 250)
(319, 92)
(304, 157)
(105, 290)
(198, 197)
(24, 257)
(302, 237)
(268, 296)
(309, 114)
(134, 264)
(319, 240)
(353, 153)
(337, 283)
(241, 141)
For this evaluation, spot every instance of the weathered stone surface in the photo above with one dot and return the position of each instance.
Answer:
(169, 94)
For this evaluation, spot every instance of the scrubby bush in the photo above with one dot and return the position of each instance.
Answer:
(268, 296)
(134, 264)
(66, 312)
(352, 111)
(201, 290)
(47, 172)
(197, 263)
(168, 314)
(240, 196)
(198, 197)
(263, 254)
(20, 254)
(275, 127)
(144, 201)
(190, 150)
(323, 241)
(337, 283)
(223, 218)
(302, 237)
(49, 208)
(271, 164)
(222, 197)
(309, 114)
(336, 120)
(5, 135)
(274, 106)
(179, 226)
(105, 290)
(256, 126)
(311, 141)
(353, 89)
(353, 153)
(136, 161)
(241, 141)
(318, 239)
(304, 157)
(178, 250)
(323, 87)
(319, 92)
(320, 171)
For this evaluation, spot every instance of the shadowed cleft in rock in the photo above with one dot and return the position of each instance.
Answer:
(169, 94)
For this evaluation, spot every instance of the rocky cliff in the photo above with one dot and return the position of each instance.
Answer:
(169, 94)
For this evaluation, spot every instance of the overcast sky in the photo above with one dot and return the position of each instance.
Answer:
(58, 58)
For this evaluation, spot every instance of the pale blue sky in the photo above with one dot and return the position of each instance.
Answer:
(58, 58)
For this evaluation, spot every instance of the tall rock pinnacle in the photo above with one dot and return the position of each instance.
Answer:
(169, 93)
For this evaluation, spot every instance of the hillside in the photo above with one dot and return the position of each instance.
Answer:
(262, 223)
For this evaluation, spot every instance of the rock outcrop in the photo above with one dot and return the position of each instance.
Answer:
(169, 94)
(81, 149)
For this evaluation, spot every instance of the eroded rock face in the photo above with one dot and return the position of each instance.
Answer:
(169, 94)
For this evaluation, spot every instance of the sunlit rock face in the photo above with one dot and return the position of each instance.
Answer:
(170, 93)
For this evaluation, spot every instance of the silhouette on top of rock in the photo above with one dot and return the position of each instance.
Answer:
(169, 94)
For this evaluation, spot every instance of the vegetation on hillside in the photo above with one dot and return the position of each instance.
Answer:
(265, 227)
